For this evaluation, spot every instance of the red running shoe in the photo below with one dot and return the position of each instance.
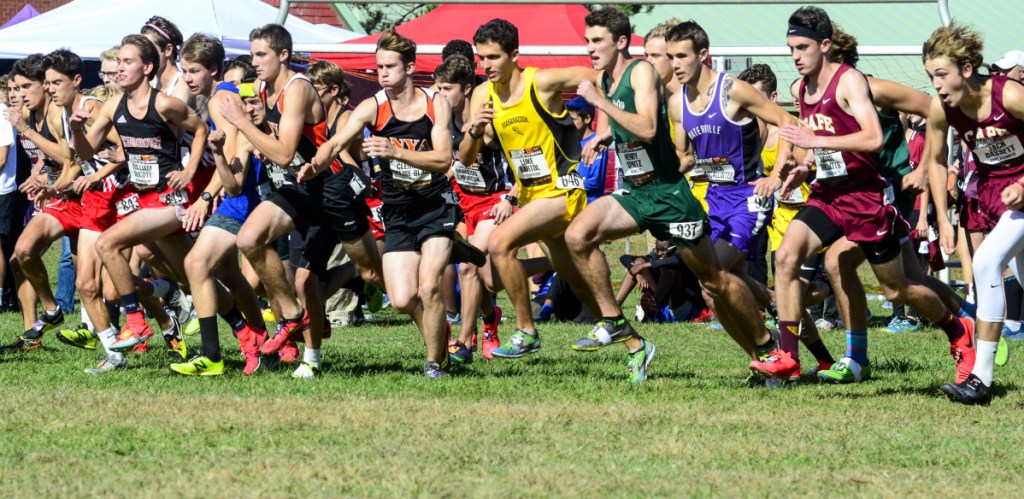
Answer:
(287, 330)
(963, 351)
(289, 352)
(779, 365)
(249, 341)
(136, 330)
(491, 334)
(705, 316)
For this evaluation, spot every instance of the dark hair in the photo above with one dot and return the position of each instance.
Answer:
(166, 31)
(147, 51)
(580, 106)
(243, 62)
(689, 30)
(205, 50)
(328, 73)
(276, 36)
(760, 73)
(32, 67)
(844, 47)
(499, 31)
(455, 69)
(614, 19)
(459, 47)
(65, 62)
(812, 18)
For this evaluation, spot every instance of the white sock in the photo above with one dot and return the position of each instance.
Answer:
(311, 356)
(160, 287)
(984, 360)
(52, 313)
(108, 337)
(88, 321)
(1014, 325)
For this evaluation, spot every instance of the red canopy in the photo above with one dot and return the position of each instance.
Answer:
(539, 25)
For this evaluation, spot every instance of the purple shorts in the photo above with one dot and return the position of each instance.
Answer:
(738, 216)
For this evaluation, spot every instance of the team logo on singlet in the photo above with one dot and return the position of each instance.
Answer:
(820, 121)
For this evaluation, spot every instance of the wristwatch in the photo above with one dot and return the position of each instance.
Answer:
(206, 196)
(512, 200)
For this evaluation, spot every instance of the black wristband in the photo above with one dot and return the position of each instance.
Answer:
(473, 135)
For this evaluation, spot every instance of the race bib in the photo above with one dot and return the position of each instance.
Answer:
(718, 170)
(375, 214)
(264, 190)
(796, 196)
(88, 167)
(357, 184)
(450, 198)
(888, 195)
(830, 164)
(687, 231)
(471, 179)
(143, 169)
(52, 175)
(127, 205)
(632, 158)
(571, 181)
(697, 173)
(408, 177)
(999, 150)
(759, 204)
(174, 198)
(530, 165)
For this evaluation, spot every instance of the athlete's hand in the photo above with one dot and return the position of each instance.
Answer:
(799, 135)
(915, 182)
(1013, 196)
(308, 171)
(797, 176)
(766, 187)
(78, 119)
(379, 147)
(109, 155)
(502, 211)
(947, 238)
(83, 183)
(195, 216)
(588, 91)
(179, 179)
(595, 147)
(16, 118)
(216, 141)
(231, 110)
(481, 118)
(642, 282)
(922, 227)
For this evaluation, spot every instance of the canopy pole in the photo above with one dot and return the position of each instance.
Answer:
(282, 12)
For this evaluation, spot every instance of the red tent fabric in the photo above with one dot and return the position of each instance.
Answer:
(539, 25)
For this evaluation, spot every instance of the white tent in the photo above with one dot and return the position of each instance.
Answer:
(88, 27)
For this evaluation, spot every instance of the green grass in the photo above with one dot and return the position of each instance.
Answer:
(558, 423)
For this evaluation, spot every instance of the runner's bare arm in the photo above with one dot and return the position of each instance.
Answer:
(552, 83)
(363, 116)
(683, 150)
(891, 95)
(647, 97)
(176, 112)
(437, 159)
(298, 99)
(934, 160)
(743, 96)
(479, 132)
(102, 123)
(853, 95)
(1013, 99)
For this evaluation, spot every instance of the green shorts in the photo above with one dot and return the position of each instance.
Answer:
(668, 211)
(904, 202)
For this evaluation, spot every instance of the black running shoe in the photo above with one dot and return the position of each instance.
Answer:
(971, 391)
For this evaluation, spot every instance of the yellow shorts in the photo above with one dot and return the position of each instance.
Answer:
(783, 215)
(575, 199)
(700, 191)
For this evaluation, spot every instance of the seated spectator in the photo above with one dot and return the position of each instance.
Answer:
(669, 291)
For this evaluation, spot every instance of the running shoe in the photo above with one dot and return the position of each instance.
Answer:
(199, 366)
(845, 371)
(779, 365)
(963, 351)
(192, 326)
(453, 320)
(648, 305)
(180, 306)
(79, 337)
(460, 354)
(638, 362)
(176, 349)
(132, 334)
(704, 316)
(491, 335)
(971, 391)
(902, 324)
(374, 298)
(249, 341)
(287, 330)
(289, 352)
(464, 252)
(520, 344)
(822, 366)
(268, 315)
(306, 371)
(108, 363)
(28, 345)
(44, 323)
(1002, 352)
(603, 334)
(435, 370)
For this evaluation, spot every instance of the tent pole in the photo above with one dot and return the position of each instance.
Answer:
(282, 12)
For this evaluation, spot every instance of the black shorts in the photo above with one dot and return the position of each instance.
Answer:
(312, 250)
(409, 225)
(329, 200)
(13, 209)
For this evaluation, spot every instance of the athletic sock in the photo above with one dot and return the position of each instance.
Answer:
(984, 360)
(789, 338)
(160, 287)
(108, 337)
(618, 320)
(234, 319)
(52, 313)
(208, 334)
(820, 352)
(311, 356)
(1013, 326)
(88, 320)
(130, 302)
(952, 326)
(857, 346)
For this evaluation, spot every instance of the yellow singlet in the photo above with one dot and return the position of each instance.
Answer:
(785, 209)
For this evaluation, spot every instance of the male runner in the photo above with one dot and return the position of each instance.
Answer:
(411, 137)
(841, 127)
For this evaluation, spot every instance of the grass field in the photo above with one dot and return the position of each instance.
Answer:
(558, 423)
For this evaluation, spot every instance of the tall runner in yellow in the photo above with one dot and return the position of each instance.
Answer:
(522, 109)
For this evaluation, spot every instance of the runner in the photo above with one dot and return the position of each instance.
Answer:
(988, 113)
(841, 127)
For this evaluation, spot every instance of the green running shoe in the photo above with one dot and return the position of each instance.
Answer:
(44, 323)
(638, 362)
(199, 366)
(846, 370)
(1002, 352)
(520, 344)
(603, 334)
(79, 337)
(306, 371)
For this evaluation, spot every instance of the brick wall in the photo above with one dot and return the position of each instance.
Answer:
(316, 13)
(10, 7)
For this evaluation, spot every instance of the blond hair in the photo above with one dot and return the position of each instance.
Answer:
(661, 30)
(392, 41)
(959, 43)
(102, 92)
(844, 47)
(110, 54)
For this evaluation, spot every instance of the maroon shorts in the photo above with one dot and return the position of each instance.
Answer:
(989, 204)
(103, 209)
(374, 218)
(969, 212)
(68, 213)
(861, 213)
(477, 207)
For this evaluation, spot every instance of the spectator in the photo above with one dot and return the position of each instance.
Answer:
(593, 174)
